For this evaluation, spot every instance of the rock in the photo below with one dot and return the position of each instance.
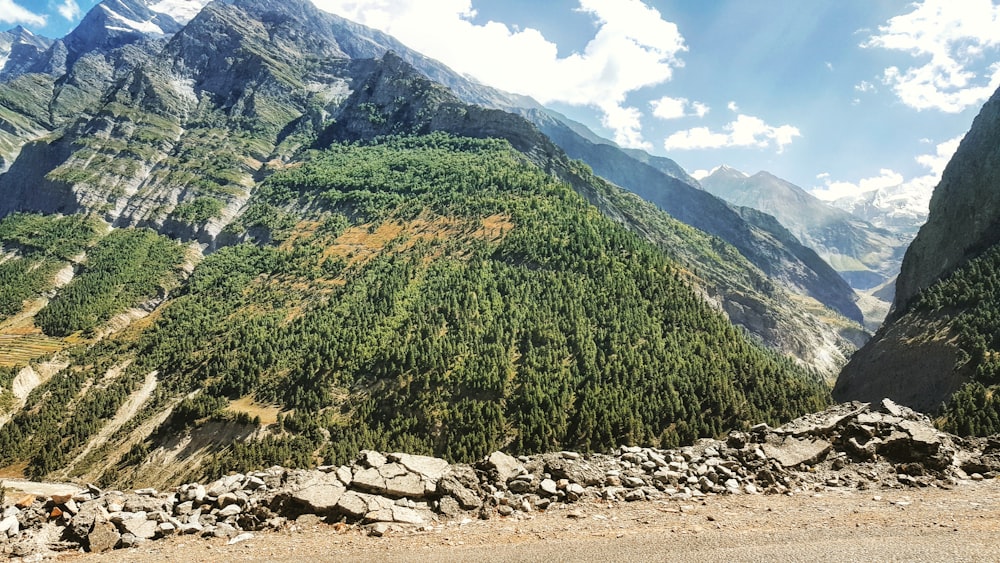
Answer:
(321, 498)
(548, 487)
(519, 486)
(104, 537)
(635, 495)
(397, 514)
(462, 484)
(190, 528)
(345, 475)
(25, 501)
(224, 530)
(195, 493)
(449, 507)
(253, 483)
(240, 538)
(234, 509)
(430, 468)
(140, 527)
(61, 499)
(503, 466)
(393, 479)
(822, 423)
(84, 521)
(10, 526)
(379, 529)
(574, 492)
(791, 451)
(166, 529)
(577, 471)
(370, 459)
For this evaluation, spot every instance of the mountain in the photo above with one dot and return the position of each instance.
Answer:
(781, 258)
(899, 209)
(20, 50)
(940, 342)
(262, 239)
(802, 326)
(866, 256)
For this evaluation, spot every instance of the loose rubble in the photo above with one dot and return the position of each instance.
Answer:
(849, 445)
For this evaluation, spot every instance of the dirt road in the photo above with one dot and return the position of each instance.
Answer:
(962, 524)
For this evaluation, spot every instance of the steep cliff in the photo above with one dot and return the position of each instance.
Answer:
(939, 346)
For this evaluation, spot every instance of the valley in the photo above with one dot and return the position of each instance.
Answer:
(264, 269)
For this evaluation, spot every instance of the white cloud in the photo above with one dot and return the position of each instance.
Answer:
(951, 39)
(701, 174)
(864, 87)
(13, 13)
(822, 175)
(733, 107)
(633, 48)
(675, 108)
(745, 131)
(919, 188)
(69, 9)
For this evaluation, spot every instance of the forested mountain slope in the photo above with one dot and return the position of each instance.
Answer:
(252, 241)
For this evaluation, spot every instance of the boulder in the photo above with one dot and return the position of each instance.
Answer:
(503, 466)
(10, 526)
(790, 451)
(104, 537)
(140, 527)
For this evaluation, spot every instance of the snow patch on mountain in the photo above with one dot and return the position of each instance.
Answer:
(181, 11)
(901, 208)
(147, 27)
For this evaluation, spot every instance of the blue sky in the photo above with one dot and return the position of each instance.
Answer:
(836, 96)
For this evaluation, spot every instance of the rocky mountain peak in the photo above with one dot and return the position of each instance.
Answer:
(115, 23)
(19, 49)
(725, 171)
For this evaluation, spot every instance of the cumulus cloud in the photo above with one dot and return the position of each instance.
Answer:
(951, 39)
(633, 47)
(69, 9)
(919, 188)
(675, 108)
(15, 14)
(745, 131)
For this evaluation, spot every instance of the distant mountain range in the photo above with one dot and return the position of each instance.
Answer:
(866, 256)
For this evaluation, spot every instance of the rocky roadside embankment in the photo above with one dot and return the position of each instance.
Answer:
(851, 445)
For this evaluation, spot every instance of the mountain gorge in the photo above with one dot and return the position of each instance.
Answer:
(867, 257)
(263, 234)
(939, 346)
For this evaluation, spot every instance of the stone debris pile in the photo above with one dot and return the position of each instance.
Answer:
(849, 445)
